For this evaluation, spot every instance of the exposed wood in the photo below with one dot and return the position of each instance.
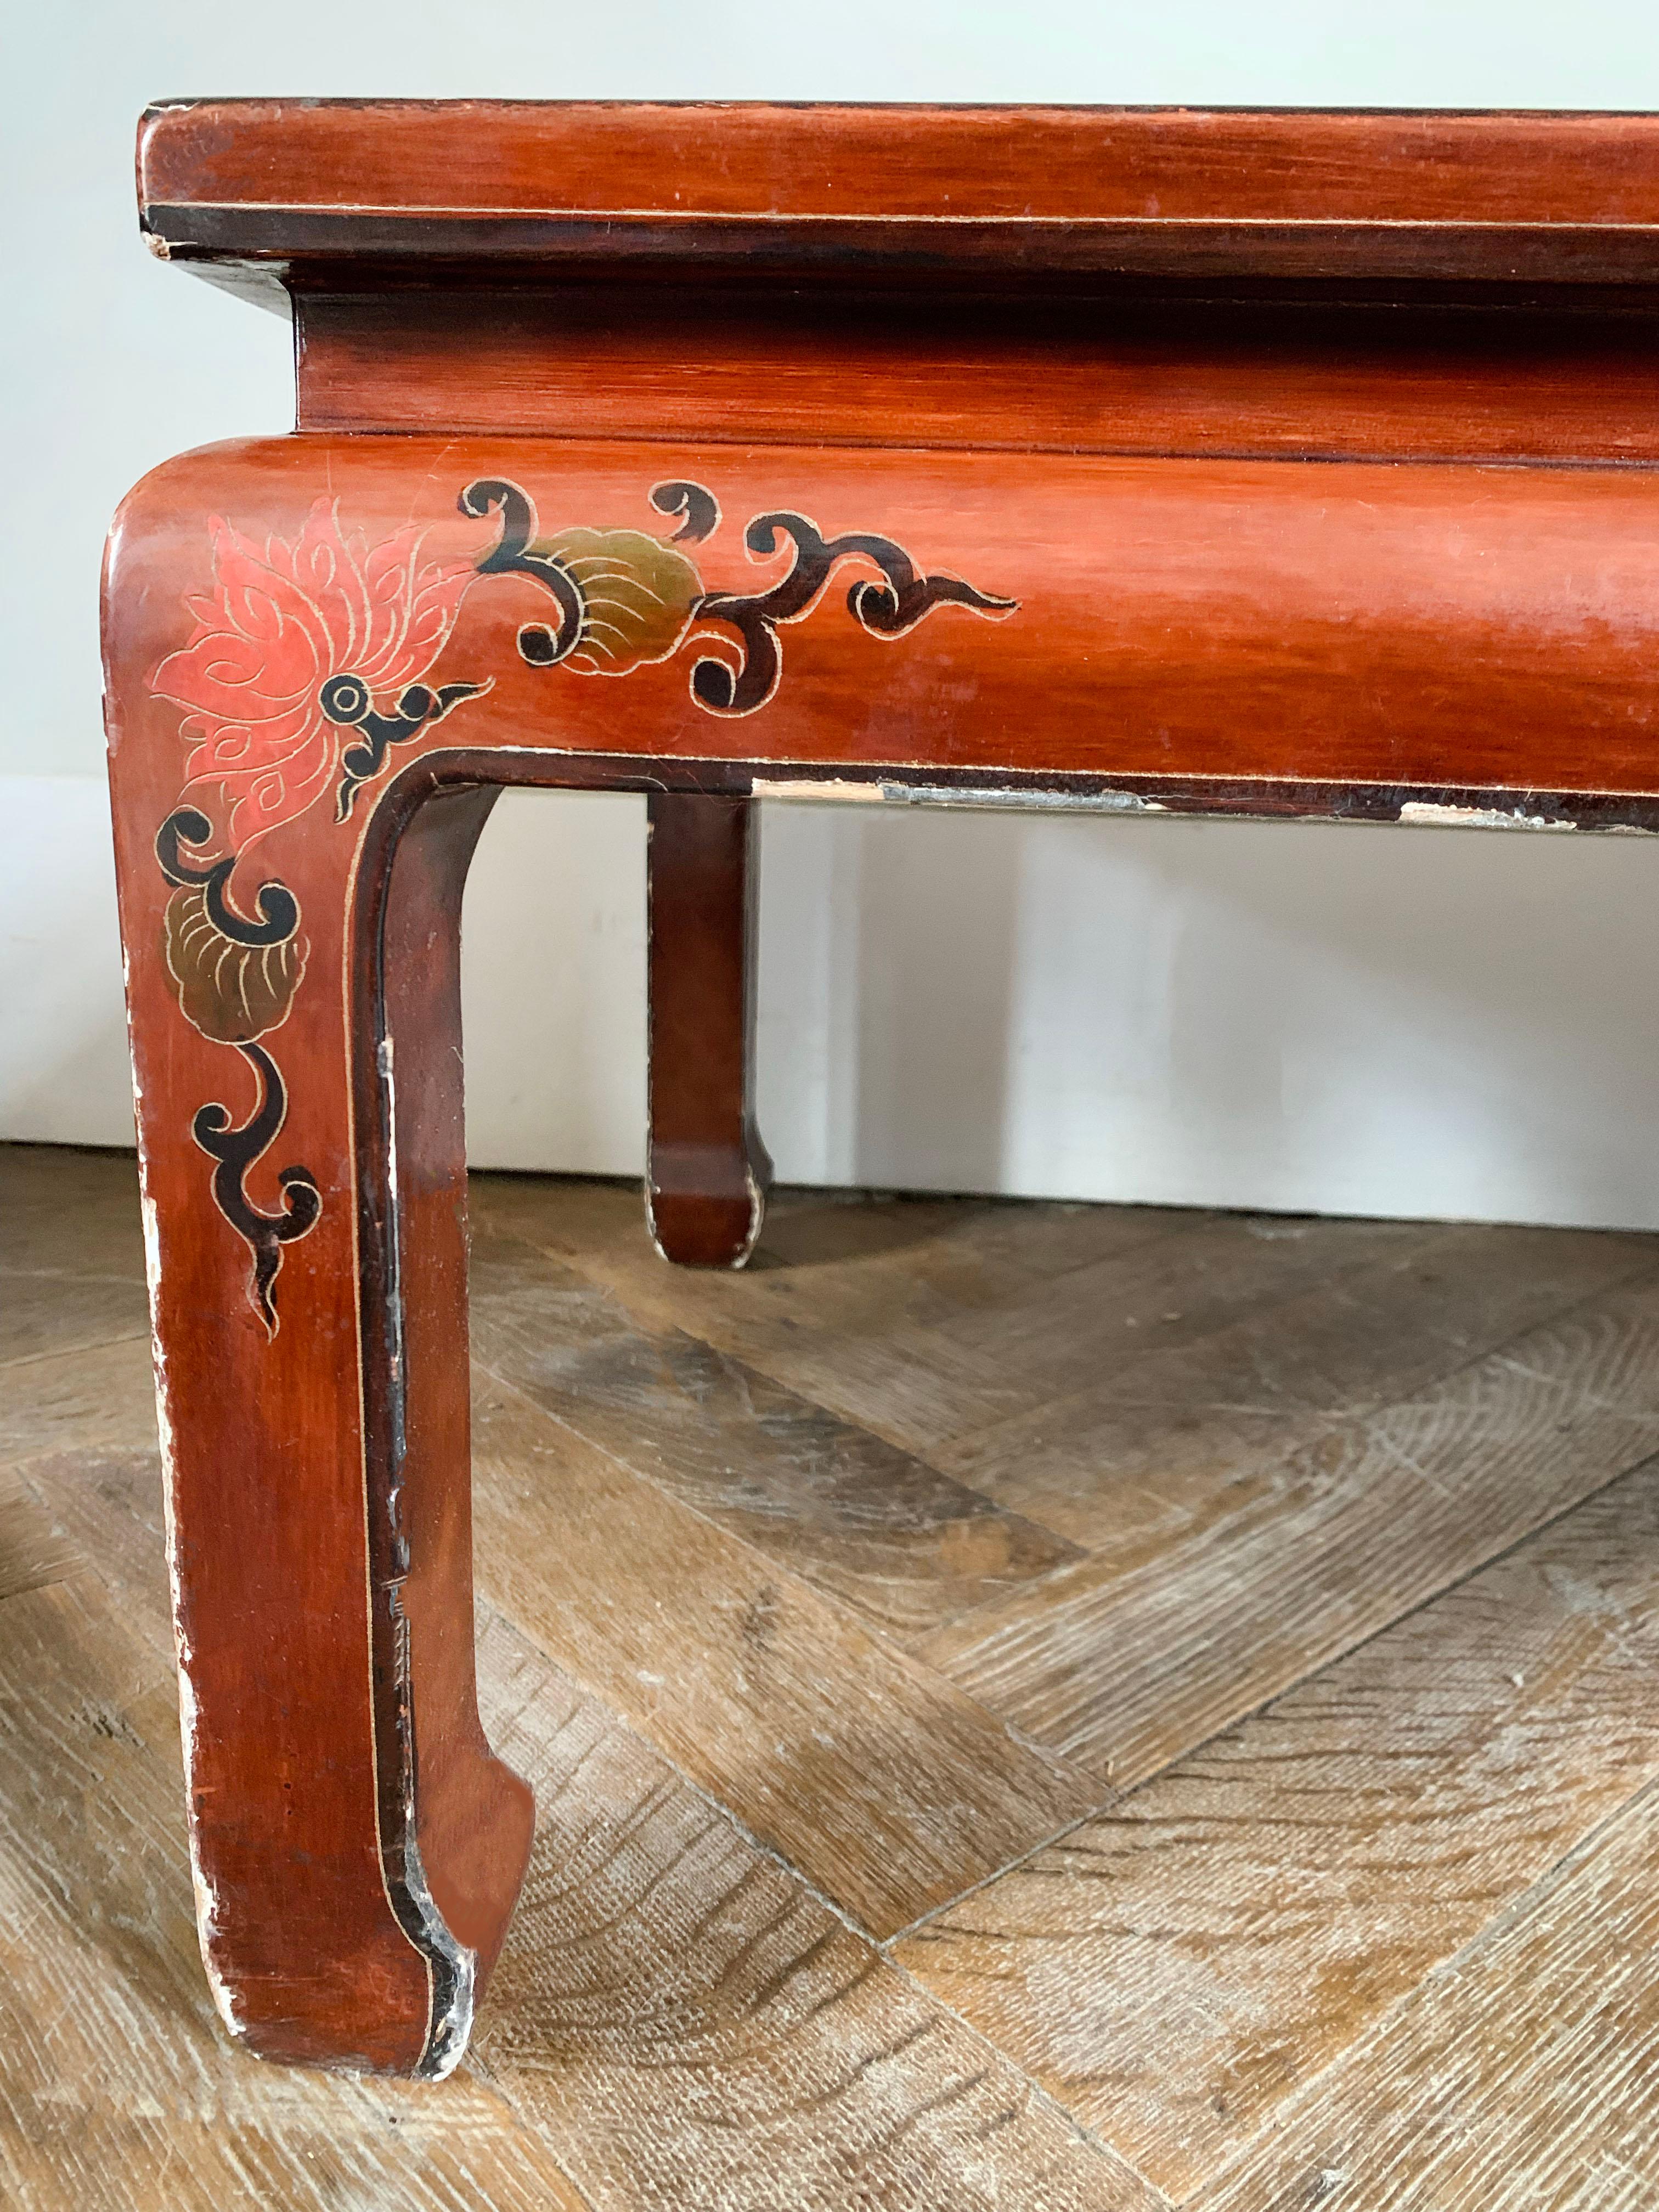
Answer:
(41, 1314)
(1125, 1664)
(1214, 1970)
(1523, 2072)
(1226, 1933)
(850, 1263)
(108, 1508)
(69, 1210)
(890, 1788)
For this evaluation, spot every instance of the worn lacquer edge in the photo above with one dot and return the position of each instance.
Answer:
(755, 1195)
(1433, 814)
(207, 1902)
(841, 791)
(205, 1899)
(449, 2017)
(449, 2024)
(1193, 799)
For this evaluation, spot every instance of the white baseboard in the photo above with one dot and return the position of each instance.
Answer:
(63, 1073)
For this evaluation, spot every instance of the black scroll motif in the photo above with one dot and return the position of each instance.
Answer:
(345, 699)
(514, 554)
(235, 1150)
(277, 909)
(700, 508)
(887, 606)
(641, 603)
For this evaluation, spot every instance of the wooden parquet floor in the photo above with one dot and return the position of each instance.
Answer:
(1030, 1706)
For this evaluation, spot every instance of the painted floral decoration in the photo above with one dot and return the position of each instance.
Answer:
(298, 645)
(303, 666)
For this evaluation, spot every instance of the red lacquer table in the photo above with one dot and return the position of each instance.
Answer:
(1272, 464)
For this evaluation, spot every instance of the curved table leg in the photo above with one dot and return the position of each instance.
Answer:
(707, 1171)
(357, 1848)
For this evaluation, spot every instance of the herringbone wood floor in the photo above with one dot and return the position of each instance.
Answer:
(1029, 1706)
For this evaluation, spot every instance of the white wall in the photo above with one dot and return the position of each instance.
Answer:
(1339, 1019)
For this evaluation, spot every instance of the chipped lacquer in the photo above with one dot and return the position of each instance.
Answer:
(325, 654)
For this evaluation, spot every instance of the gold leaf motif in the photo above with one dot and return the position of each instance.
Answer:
(637, 596)
(232, 993)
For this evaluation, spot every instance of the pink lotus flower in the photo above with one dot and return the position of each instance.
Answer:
(280, 624)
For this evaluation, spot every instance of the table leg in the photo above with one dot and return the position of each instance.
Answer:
(707, 1171)
(357, 1848)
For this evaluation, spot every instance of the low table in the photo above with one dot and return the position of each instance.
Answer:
(1140, 461)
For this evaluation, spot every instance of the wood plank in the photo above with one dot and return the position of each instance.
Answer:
(928, 1385)
(888, 1787)
(1150, 1436)
(107, 1507)
(1174, 1970)
(101, 1397)
(1123, 1664)
(71, 1250)
(928, 198)
(35, 1549)
(71, 1208)
(931, 1387)
(44, 1314)
(901, 1544)
(697, 2033)
(859, 1261)
(120, 2089)
(1133, 1967)
(1523, 2077)
(1012, 1336)
(1026, 164)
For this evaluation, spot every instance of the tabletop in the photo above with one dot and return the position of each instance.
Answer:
(927, 193)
